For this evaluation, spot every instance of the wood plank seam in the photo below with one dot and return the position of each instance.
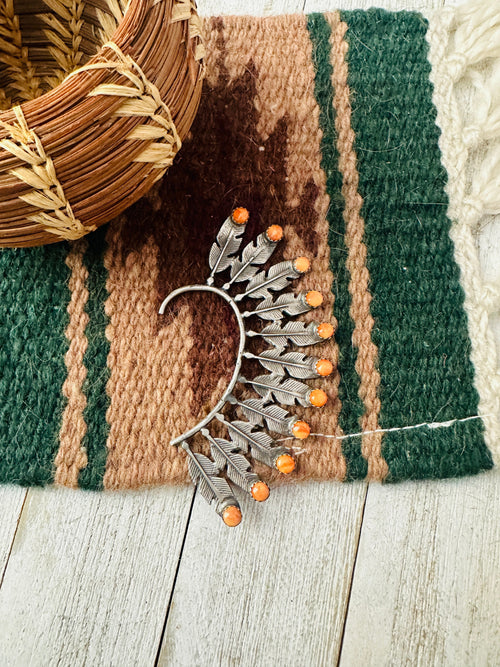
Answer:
(181, 552)
(353, 570)
(2, 575)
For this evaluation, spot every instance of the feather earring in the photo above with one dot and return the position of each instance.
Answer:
(286, 368)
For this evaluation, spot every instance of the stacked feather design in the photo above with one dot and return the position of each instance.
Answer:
(286, 369)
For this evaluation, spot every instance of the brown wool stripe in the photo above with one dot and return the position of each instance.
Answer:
(71, 457)
(284, 96)
(367, 353)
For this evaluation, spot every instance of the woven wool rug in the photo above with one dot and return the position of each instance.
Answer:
(346, 129)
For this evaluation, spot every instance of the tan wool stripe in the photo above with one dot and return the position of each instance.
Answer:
(211, 36)
(281, 94)
(367, 352)
(150, 384)
(71, 457)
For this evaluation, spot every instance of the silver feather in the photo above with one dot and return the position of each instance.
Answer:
(226, 457)
(296, 364)
(276, 418)
(286, 304)
(260, 444)
(299, 333)
(276, 279)
(254, 255)
(225, 247)
(204, 474)
(286, 391)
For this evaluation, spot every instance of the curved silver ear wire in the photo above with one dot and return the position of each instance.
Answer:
(239, 359)
(281, 384)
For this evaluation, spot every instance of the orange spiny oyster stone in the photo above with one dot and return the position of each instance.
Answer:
(302, 265)
(260, 491)
(301, 430)
(318, 398)
(231, 516)
(324, 367)
(274, 233)
(240, 216)
(285, 463)
(314, 299)
(325, 330)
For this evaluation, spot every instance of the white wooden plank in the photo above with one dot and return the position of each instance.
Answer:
(11, 505)
(90, 576)
(272, 591)
(425, 589)
(255, 8)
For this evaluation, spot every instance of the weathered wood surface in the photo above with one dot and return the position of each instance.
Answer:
(89, 577)
(427, 577)
(273, 593)
(11, 505)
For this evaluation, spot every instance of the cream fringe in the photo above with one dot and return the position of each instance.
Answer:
(465, 57)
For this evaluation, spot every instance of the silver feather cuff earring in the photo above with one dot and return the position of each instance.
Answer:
(286, 368)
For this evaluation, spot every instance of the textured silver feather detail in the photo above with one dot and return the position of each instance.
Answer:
(286, 391)
(204, 474)
(259, 444)
(276, 279)
(254, 255)
(276, 418)
(286, 304)
(225, 247)
(299, 333)
(296, 364)
(237, 466)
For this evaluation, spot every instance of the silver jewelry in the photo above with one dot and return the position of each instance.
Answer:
(286, 368)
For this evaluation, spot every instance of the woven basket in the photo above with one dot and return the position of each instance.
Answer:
(95, 98)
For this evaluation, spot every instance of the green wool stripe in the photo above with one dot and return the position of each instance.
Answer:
(426, 373)
(34, 296)
(352, 407)
(95, 361)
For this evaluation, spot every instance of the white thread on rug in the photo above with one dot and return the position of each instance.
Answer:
(461, 40)
(430, 425)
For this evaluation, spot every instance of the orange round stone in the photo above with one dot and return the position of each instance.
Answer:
(302, 265)
(274, 233)
(231, 516)
(324, 367)
(314, 299)
(325, 330)
(301, 430)
(240, 216)
(318, 398)
(260, 491)
(285, 463)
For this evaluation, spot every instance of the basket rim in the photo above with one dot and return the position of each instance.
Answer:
(127, 81)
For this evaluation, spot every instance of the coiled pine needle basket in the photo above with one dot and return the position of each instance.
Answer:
(96, 97)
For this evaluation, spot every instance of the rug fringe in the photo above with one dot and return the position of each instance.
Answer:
(465, 48)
